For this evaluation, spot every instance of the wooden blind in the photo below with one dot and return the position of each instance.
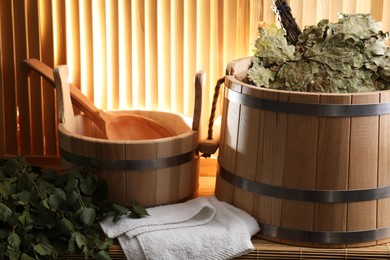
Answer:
(138, 54)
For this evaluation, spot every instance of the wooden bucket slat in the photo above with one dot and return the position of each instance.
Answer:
(383, 213)
(300, 167)
(332, 166)
(168, 178)
(189, 181)
(116, 180)
(227, 157)
(363, 166)
(270, 160)
(248, 127)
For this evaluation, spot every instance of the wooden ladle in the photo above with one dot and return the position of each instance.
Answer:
(114, 126)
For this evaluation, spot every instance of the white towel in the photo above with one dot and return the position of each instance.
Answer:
(202, 228)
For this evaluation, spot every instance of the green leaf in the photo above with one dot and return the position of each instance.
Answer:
(72, 184)
(102, 255)
(43, 249)
(23, 197)
(55, 201)
(88, 185)
(3, 248)
(88, 216)
(80, 239)
(5, 212)
(66, 226)
(72, 198)
(139, 211)
(12, 253)
(49, 174)
(7, 188)
(14, 240)
(72, 243)
(25, 218)
(3, 234)
(26, 257)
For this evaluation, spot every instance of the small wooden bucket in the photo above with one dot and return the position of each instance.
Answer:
(312, 168)
(149, 172)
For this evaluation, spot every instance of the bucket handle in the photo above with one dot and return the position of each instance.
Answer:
(210, 145)
(200, 77)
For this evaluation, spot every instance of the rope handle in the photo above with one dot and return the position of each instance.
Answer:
(210, 145)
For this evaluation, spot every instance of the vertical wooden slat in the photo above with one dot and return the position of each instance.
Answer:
(59, 32)
(363, 166)
(47, 56)
(34, 81)
(255, 10)
(99, 54)
(189, 53)
(268, 14)
(229, 31)
(2, 106)
(203, 51)
(377, 11)
(151, 70)
(113, 54)
(243, 45)
(86, 52)
(332, 166)
(349, 6)
(125, 59)
(270, 160)
(73, 40)
(164, 54)
(300, 160)
(168, 179)
(363, 6)
(138, 49)
(19, 36)
(384, 166)
(177, 56)
(386, 18)
(138, 180)
(9, 127)
(247, 152)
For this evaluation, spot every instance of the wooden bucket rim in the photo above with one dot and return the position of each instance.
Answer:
(63, 130)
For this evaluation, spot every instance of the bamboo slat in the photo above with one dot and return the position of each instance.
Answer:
(34, 82)
(9, 106)
(47, 56)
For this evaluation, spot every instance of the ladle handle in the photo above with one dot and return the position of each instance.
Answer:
(78, 99)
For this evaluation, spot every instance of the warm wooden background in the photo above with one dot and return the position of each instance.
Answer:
(139, 54)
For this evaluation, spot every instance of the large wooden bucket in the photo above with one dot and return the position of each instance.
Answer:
(312, 168)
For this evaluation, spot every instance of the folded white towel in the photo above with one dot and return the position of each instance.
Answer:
(202, 228)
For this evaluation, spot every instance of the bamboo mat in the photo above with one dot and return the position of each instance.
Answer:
(270, 250)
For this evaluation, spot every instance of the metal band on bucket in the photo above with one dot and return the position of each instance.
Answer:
(129, 165)
(325, 237)
(330, 110)
(326, 196)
